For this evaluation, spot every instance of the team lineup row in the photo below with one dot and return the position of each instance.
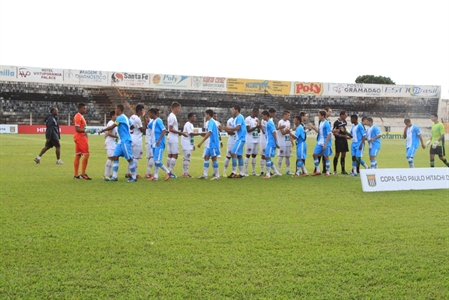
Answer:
(124, 139)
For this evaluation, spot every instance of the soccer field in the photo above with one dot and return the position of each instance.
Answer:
(284, 237)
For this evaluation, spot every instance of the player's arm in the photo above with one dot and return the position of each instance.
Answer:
(313, 127)
(163, 133)
(284, 130)
(435, 144)
(204, 139)
(275, 139)
(109, 128)
(329, 135)
(405, 132)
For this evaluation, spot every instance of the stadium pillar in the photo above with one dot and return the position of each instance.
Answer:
(105, 119)
(31, 118)
(68, 119)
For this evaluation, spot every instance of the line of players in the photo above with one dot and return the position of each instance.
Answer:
(251, 132)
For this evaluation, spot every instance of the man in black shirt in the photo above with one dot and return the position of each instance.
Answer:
(341, 141)
(52, 136)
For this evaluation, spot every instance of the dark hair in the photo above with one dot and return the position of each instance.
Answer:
(298, 118)
(255, 109)
(237, 107)
(272, 110)
(121, 107)
(302, 114)
(189, 115)
(52, 109)
(407, 121)
(112, 113)
(343, 112)
(435, 115)
(175, 104)
(265, 113)
(327, 109)
(82, 104)
(322, 113)
(364, 118)
(153, 110)
(210, 112)
(139, 107)
(354, 117)
(370, 119)
(285, 112)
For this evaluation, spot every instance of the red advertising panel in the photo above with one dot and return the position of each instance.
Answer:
(40, 129)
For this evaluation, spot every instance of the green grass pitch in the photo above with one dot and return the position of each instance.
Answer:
(282, 238)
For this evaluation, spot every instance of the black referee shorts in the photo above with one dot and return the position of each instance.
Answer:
(341, 145)
(52, 143)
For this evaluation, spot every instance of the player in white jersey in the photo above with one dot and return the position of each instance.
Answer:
(252, 139)
(231, 142)
(137, 129)
(187, 144)
(284, 141)
(110, 141)
(149, 145)
(173, 141)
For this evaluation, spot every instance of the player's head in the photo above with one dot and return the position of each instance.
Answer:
(112, 115)
(303, 116)
(272, 112)
(254, 112)
(139, 110)
(343, 115)
(215, 116)
(235, 110)
(175, 107)
(265, 115)
(407, 122)
(286, 115)
(119, 109)
(192, 117)
(54, 111)
(153, 113)
(322, 115)
(82, 108)
(365, 120)
(209, 114)
(328, 111)
(354, 119)
(434, 117)
(369, 121)
(297, 120)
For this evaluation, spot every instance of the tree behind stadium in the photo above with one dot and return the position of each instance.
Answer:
(374, 79)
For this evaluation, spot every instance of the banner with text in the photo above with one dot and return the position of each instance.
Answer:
(421, 91)
(165, 81)
(130, 79)
(352, 89)
(204, 83)
(252, 86)
(40, 75)
(376, 180)
(41, 129)
(307, 88)
(9, 128)
(8, 73)
(86, 77)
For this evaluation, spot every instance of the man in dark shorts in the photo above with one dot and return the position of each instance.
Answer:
(437, 141)
(341, 141)
(52, 136)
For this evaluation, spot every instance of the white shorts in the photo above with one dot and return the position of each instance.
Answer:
(137, 150)
(252, 148)
(187, 154)
(229, 147)
(149, 151)
(173, 148)
(263, 146)
(285, 151)
(110, 151)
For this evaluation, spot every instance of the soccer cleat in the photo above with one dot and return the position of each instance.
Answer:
(266, 176)
(106, 178)
(316, 174)
(296, 176)
(215, 178)
(132, 179)
(173, 175)
(304, 174)
(138, 177)
(148, 175)
(240, 176)
(167, 176)
(262, 173)
(327, 175)
(344, 173)
(334, 173)
(152, 179)
(277, 174)
(255, 174)
(85, 177)
(59, 162)
(353, 175)
(288, 173)
(37, 160)
(202, 177)
(232, 175)
(77, 177)
(110, 178)
(128, 175)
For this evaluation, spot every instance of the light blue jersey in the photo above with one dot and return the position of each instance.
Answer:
(241, 133)
(214, 142)
(413, 140)
(158, 129)
(123, 132)
(323, 132)
(372, 133)
(357, 132)
(269, 130)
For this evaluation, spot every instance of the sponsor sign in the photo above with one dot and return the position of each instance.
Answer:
(421, 91)
(308, 88)
(86, 77)
(252, 86)
(130, 79)
(39, 129)
(8, 73)
(376, 180)
(40, 75)
(165, 81)
(204, 83)
(353, 89)
(9, 129)
(396, 135)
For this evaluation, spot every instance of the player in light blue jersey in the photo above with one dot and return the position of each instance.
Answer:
(323, 144)
(357, 134)
(272, 143)
(237, 151)
(373, 136)
(213, 149)
(301, 145)
(413, 136)
(123, 147)
(159, 131)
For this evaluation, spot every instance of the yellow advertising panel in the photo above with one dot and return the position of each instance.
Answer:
(253, 86)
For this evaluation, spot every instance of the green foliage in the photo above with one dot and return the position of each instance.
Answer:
(286, 238)
(374, 79)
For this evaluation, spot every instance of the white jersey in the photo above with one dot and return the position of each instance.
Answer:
(136, 134)
(232, 138)
(263, 136)
(253, 136)
(187, 143)
(172, 121)
(149, 136)
(109, 141)
(283, 140)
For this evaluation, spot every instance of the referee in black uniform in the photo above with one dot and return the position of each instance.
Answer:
(341, 141)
